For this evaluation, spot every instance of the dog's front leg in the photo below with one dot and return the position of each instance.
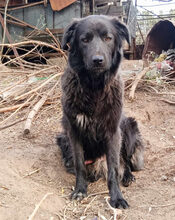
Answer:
(113, 153)
(81, 180)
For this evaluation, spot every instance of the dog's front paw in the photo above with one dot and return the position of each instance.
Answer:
(119, 203)
(78, 194)
(128, 179)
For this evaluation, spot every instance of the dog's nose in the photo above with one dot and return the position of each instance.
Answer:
(97, 59)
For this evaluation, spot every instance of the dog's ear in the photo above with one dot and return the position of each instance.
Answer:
(121, 29)
(69, 35)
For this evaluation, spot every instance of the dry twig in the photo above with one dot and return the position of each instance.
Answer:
(137, 79)
(168, 101)
(17, 110)
(33, 113)
(39, 87)
(13, 107)
(37, 43)
(37, 206)
(89, 204)
(14, 123)
(157, 206)
(98, 193)
(32, 172)
(117, 212)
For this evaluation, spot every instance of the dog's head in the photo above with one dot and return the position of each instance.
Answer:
(94, 44)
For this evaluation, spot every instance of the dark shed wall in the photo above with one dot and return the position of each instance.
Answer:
(41, 17)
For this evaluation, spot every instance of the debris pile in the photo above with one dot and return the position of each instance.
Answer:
(159, 74)
(28, 86)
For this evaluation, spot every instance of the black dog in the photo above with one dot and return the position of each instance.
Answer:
(92, 100)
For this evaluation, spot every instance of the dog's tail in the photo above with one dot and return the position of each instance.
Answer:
(66, 151)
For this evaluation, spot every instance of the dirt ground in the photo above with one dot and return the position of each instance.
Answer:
(31, 168)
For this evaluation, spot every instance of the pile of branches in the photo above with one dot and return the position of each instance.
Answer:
(37, 85)
(152, 80)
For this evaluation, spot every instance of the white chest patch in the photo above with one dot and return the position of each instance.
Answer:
(82, 120)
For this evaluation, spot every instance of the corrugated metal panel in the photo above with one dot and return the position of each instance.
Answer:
(58, 5)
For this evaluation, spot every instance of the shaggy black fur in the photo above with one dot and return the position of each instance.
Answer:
(92, 100)
(132, 150)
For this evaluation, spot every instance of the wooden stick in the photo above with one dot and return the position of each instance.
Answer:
(157, 206)
(14, 123)
(4, 187)
(38, 205)
(39, 87)
(15, 23)
(98, 193)
(12, 108)
(101, 216)
(137, 79)
(33, 113)
(89, 204)
(117, 212)
(32, 172)
(50, 33)
(166, 93)
(57, 43)
(168, 101)
(36, 109)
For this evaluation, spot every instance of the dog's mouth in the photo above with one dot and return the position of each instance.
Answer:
(97, 70)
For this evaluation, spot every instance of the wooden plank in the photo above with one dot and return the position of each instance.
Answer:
(59, 5)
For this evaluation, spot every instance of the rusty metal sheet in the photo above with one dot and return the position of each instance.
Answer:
(12, 2)
(58, 5)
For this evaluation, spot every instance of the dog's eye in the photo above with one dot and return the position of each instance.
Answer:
(85, 40)
(107, 38)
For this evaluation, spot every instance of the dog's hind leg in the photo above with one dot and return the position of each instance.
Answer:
(128, 177)
(66, 150)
